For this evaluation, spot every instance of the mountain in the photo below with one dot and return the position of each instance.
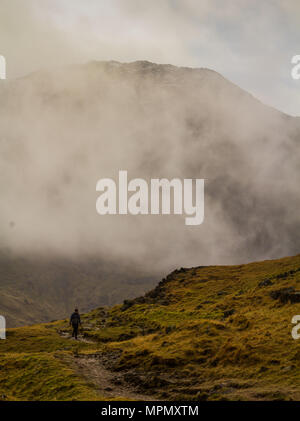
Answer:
(39, 290)
(204, 333)
(61, 130)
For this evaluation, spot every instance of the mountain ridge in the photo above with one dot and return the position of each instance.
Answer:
(149, 66)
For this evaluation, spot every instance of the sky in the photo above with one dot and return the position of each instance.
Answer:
(250, 42)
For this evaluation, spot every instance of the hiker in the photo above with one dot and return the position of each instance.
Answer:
(75, 322)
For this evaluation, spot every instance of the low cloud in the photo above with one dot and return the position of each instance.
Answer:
(249, 42)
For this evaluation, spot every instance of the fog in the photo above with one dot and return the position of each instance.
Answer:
(62, 130)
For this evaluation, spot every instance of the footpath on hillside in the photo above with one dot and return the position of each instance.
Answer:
(107, 383)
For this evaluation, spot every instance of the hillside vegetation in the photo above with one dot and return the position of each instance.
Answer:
(204, 333)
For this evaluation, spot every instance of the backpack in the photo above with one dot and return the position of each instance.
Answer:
(75, 319)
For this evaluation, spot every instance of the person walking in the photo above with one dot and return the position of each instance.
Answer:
(75, 322)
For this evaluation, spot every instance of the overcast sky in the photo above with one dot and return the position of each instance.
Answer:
(250, 42)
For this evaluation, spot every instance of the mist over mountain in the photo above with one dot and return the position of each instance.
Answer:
(62, 130)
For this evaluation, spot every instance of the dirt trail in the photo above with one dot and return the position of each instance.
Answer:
(108, 383)
(80, 337)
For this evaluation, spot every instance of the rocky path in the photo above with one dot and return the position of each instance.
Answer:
(109, 384)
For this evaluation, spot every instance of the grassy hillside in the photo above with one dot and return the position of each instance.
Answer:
(36, 290)
(202, 333)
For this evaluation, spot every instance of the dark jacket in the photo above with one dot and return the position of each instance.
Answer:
(75, 319)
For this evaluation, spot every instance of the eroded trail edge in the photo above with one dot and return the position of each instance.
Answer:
(93, 368)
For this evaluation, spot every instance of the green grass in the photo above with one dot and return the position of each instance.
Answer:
(41, 377)
(33, 366)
